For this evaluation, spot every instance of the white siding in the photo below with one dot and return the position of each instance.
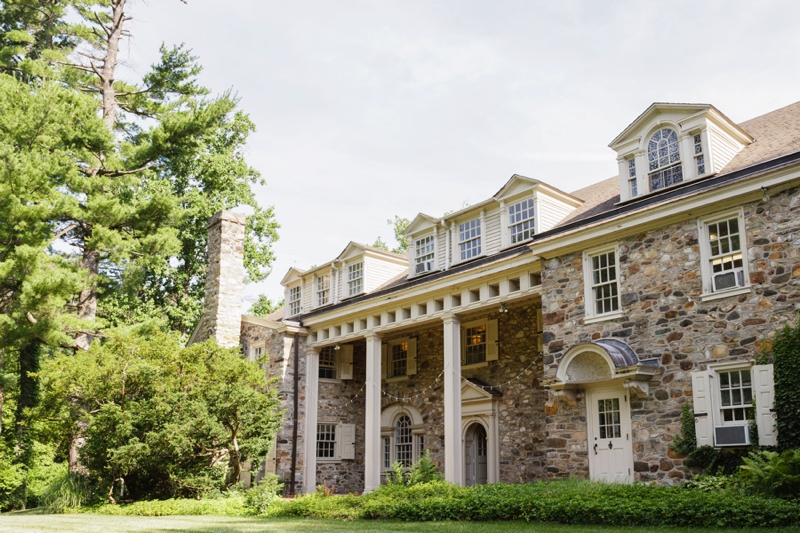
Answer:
(491, 243)
(723, 148)
(305, 297)
(550, 212)
(378, 272)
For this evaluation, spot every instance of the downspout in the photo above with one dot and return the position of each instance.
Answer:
(294, 412)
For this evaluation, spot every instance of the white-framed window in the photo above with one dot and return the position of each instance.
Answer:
(469, 238)
(424, 252)
(323, 290)
(399, 359)
(355, 278)
(479, 342)
(633, 187)
(727, 398)
(327, 362)
(404, 440)
(601, 283)
(664, 159)
(722, 250)
(521, 221)
(256, 351)
(335, 441)
(294, 300)
(699, 156)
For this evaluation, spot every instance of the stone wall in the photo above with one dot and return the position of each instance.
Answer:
(222, 311)
(665, 318)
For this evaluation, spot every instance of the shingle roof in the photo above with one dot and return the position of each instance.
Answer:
(598, 197)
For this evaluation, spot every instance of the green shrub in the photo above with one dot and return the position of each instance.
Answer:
(715, 461)
(424, 471)
(230, 506)
(710, 483)
(11, 478)
(786, 352)
(772, 473)
(67, 491)
(260, 497)
(686, 442)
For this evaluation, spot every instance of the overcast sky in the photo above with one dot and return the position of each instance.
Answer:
(369, 109)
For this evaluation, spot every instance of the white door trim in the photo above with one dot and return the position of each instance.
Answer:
(626, 436)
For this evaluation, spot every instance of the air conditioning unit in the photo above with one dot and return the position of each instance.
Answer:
(425, 266)
(732, 435)
(728, 280)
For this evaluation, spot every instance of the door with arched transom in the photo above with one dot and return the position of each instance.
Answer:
(475, 455)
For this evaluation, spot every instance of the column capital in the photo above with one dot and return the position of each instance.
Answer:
(371, 335)
(451, 318)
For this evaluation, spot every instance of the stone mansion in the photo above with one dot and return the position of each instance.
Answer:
(542, 334)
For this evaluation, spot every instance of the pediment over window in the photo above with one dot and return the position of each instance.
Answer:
(294, 274)
(420, 224)
(672, 143)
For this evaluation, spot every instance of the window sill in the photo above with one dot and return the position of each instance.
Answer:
(711, 296)
(474, 365)
(602, 318)
(331, 381)
(328, 460)
(396, 379)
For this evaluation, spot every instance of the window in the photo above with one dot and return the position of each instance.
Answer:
(327, 363)
(633, 189)
(423, 254)
(355, 278)
(469, 239)
(664, 159)
(326, 441)
(603, 297)
(294, 301)
(520, 221)
(256, 352)
(404, 442)
(387, 453)
(399, 359)
(479, 342)
(723, 260)
(736, 395)
(323, 290)
(699, 158)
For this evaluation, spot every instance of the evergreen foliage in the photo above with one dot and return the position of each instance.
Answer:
(786, 353)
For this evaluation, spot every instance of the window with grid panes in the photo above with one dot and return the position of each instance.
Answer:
(736, 395)
(294, 301)
(609, 418)
(604, 282)
(355, 278)
(726, 258)
(664, 159)
(399, 360)
(633, 188)
(423, 254)
(475, 349)
(323, 290)
(520, 220)
(327, 363)
(404, 441)
(699, 157)
(326, 441)
(469, 239)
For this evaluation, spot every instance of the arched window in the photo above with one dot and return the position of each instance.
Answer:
(664, 159)
(404, 441)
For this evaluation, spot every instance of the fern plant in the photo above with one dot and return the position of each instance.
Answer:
(424, 470)
(773, 473)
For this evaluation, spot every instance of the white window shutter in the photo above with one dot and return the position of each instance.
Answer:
(384, 361)
(345, 360)
(411, 362)
(704, 425)
(764, 395)
(347, 435)
(492, 348)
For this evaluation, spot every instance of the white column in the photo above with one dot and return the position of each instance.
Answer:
(372, 424)
(453, 447)
(310, 426)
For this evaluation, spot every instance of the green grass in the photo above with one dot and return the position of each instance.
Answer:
(30, 522)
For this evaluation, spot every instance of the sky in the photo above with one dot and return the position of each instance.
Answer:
(369, 109)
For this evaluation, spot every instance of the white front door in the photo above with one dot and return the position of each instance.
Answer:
(610, 449)
(475, 455)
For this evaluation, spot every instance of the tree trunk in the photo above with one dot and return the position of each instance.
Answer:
(235, 462)
(114, 32)
(28, 398)
(87, 301)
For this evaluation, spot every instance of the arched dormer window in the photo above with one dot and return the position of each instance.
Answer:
(664, 159)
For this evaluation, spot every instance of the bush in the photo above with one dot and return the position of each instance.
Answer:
(715, 461)
(686, 442)
(11, 478)
(424, 470)
(772, 473)
(786, 351)
(260, 497)
(67, 491)
(231, 506)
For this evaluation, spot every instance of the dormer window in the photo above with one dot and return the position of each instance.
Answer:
(633, 188)
(423, 254)
(699, 157)
(355, 278)
(520, 220)
(469, 239)
(294, 301)
(664, 158)
(323, 290)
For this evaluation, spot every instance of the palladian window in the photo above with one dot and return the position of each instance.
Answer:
(664, 159)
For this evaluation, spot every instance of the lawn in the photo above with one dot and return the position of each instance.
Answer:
(27, 522)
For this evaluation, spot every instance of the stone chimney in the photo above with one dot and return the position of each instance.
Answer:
(224, 278)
